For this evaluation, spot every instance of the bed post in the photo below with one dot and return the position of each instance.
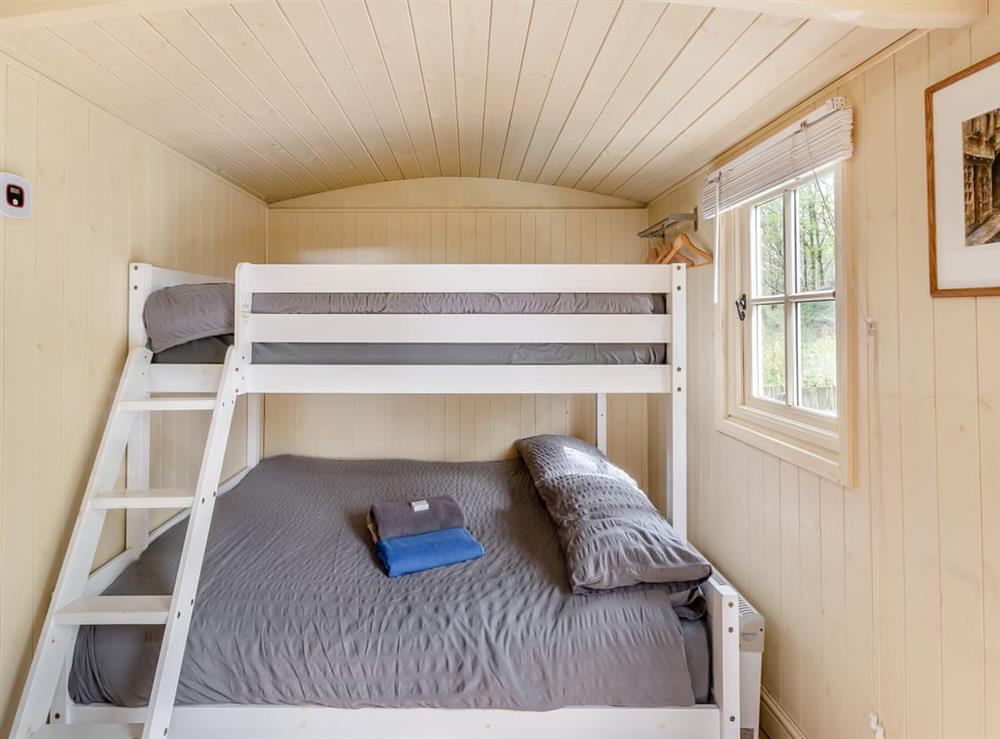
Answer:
(601, 416)
(137, 449)
(677, 454)
(244, 347)
(241, 316)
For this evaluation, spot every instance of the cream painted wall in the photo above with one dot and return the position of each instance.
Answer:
(105, 194)
(884, 597)
(451, 427)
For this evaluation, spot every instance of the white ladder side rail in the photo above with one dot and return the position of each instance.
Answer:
(55, 639)
(137, 450)
(175, 634)
(677, 450)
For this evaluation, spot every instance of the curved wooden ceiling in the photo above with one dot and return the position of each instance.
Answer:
(293, 97)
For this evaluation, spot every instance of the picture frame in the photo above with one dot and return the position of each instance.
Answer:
(963, 181)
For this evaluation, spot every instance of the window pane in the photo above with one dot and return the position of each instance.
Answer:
(769, 352)
(816, 246)
(817, 329)
(769, 249)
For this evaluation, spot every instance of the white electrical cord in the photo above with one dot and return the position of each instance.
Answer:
(717, 242)
(875, 438)
(876, 727)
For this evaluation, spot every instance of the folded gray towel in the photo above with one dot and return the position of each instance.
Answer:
(392, 519)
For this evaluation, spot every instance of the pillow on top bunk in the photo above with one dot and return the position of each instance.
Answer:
(182, 313)
(611, 534)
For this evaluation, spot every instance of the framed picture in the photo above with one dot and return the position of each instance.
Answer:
(963, 181)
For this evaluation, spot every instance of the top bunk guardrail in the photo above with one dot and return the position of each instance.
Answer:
(254, 327)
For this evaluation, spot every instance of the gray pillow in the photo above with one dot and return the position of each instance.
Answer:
(183, 313)
(611, 534)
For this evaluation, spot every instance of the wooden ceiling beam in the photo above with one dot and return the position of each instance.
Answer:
(887, 14)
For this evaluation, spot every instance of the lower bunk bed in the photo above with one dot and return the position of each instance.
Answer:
(294, 608)
(297, 621)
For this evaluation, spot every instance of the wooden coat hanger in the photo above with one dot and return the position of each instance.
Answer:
(682, 250)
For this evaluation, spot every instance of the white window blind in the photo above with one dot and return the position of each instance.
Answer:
(821, 138)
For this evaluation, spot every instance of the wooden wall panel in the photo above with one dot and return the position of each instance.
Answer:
(883, 597)
(440, 427)
(105, 194)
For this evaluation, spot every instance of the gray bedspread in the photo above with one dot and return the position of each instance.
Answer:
(293, 608)
(213, 351)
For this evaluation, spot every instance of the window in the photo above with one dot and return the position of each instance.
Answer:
(786, 382)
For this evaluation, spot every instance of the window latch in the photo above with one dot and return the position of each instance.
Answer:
(741, 306)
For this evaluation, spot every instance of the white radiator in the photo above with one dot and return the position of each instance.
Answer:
(751, 654)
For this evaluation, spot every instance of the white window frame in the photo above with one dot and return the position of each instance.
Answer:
(816, 441)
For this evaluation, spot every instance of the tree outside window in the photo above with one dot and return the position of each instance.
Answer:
(793, 316)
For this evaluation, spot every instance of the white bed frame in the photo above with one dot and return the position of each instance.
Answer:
(721, 718)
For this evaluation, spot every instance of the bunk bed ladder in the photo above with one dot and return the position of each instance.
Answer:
(71, 607)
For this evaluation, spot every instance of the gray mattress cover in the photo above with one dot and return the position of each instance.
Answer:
(213, 351)
(426, 303)
(293, 608)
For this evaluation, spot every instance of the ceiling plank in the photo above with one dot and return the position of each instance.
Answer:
(266, 127)
(547, 35)
(431, 24)
(508, 37)
(393, 35)
(271, 29)
(667, 41)
(470, 37)
(234, 38)
(634, 25)
(128, 47)
(885, 14)
(312, 26)
(413, 147)
(587, 33)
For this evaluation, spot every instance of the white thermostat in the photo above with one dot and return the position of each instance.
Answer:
(16, 196)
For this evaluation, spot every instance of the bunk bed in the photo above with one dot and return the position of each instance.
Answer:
(284, 343)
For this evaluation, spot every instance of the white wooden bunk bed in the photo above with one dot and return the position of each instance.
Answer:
(46, 709)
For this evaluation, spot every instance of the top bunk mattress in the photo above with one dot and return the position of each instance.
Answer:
(194, 324)
(293, 607)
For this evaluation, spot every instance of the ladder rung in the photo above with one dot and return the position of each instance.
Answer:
(88, 731)
(115, 609)
(188, 403)
(163, 498)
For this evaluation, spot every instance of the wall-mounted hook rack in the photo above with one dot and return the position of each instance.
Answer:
(659, 229)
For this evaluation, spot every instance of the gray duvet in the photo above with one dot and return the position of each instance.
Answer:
(293, 608)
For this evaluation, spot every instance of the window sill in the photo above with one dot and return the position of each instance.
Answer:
(819, 460)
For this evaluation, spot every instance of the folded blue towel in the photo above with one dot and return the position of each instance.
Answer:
(407, 554)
